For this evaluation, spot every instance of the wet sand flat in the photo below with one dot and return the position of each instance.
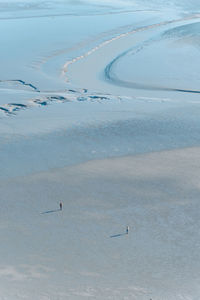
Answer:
(83, 251)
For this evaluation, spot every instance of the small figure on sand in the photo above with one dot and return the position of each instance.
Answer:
(127, 229)
(61, 205)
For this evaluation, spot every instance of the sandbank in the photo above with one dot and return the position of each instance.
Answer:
(84, 250)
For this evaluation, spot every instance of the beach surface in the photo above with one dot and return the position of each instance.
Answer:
(99, 110)
(83, 251)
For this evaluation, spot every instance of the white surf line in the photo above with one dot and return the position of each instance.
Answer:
(91, 51)
(36, 64)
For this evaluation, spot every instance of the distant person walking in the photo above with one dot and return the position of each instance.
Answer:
(61, 205)
(127, 229)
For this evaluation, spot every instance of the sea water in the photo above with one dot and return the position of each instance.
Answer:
(120, 55)
(87, 80)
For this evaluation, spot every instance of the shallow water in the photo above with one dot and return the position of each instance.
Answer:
(65, 73)
(86, 80)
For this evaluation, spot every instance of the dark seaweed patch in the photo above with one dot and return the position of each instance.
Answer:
(60, 98)
(22, 82)
(26, 84)
(4, 109)
(98, 97)
(40, 102)
(18, 105)
(43, 103)
(82, 99)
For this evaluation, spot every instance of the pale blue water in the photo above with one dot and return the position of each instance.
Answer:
(38, 38)
(140, 96)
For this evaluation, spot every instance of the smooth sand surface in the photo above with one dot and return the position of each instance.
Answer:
(83, 251)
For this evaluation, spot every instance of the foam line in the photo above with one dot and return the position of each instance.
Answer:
(120, 36)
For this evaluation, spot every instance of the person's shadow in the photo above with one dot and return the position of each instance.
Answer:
(50, 211)
(118, 235)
